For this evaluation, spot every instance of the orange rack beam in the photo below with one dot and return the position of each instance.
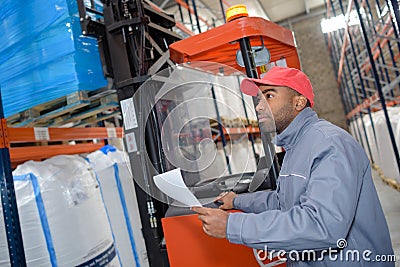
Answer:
(19, 155)
(43, 136)
(24, 135)
(249, 129)
(235, 133)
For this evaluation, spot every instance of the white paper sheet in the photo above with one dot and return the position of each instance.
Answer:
(171, 183)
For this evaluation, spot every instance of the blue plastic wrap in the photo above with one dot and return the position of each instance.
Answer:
(43, 55)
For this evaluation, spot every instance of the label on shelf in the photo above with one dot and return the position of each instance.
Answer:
(41, 133)
(111, 133)
(129, 114)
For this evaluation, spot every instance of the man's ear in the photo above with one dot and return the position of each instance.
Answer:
(301, 103)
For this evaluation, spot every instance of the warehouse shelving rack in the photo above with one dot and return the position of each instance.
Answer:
(38, 143)
(8, 198)
(133, 38)
(365, 55)
(27, 141)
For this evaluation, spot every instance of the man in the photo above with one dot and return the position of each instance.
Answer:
(325, 201)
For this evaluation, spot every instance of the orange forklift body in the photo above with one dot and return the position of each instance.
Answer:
(188, 245)
(221, 44)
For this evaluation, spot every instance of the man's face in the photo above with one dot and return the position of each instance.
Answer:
(278, 101)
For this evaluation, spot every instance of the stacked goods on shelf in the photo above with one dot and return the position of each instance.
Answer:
(387, 160)
(380, 144)
(372, 140)
(43, 55)
(118, 192)
(62, 215)
(242, 157)
(217, 166)
(397, 137)
(230, 103)
(239, 153)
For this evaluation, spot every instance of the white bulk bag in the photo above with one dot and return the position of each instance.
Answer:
(62, 216)
(116, 183)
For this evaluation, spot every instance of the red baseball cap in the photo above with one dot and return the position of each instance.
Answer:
(280, 76)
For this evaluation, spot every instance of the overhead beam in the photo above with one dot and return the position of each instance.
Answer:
(263, 9)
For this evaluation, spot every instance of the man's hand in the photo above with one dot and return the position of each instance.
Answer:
(227, 199)
(214, 221)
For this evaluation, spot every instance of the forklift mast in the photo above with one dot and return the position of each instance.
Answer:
(133, 41)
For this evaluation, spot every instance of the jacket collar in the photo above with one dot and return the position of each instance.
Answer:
(289, 137)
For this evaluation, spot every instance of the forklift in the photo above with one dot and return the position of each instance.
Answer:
(141, 56)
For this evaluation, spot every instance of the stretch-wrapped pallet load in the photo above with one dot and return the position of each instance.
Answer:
(387, 159)
(372, 141)
(62, 215)
(377, 139)
(43, 55)
(118, 192)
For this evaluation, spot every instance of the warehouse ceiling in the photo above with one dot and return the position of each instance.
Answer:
(211, 11)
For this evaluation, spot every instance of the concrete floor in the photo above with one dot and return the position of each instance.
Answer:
(390, 200)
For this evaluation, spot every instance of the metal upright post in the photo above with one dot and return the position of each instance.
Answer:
(248, 123)
(181, 13)
(366, 95)
(220, 129)
(358, 101)
(8, 199)
(395, 6)
(394, 25)
(251, 71)
(377, 84)
(383, 68)
(333, 55)
(248, 58)
(189, 14)
(222, 9)
(392, 57)
(196, 15)
(345, 88)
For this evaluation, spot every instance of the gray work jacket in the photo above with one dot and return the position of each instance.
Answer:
(325, 201)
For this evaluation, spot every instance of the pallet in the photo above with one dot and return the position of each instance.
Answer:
(72, 108)
(389, 181)
(234, 122)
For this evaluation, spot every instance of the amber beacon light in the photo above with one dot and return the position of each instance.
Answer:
(236, 11)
